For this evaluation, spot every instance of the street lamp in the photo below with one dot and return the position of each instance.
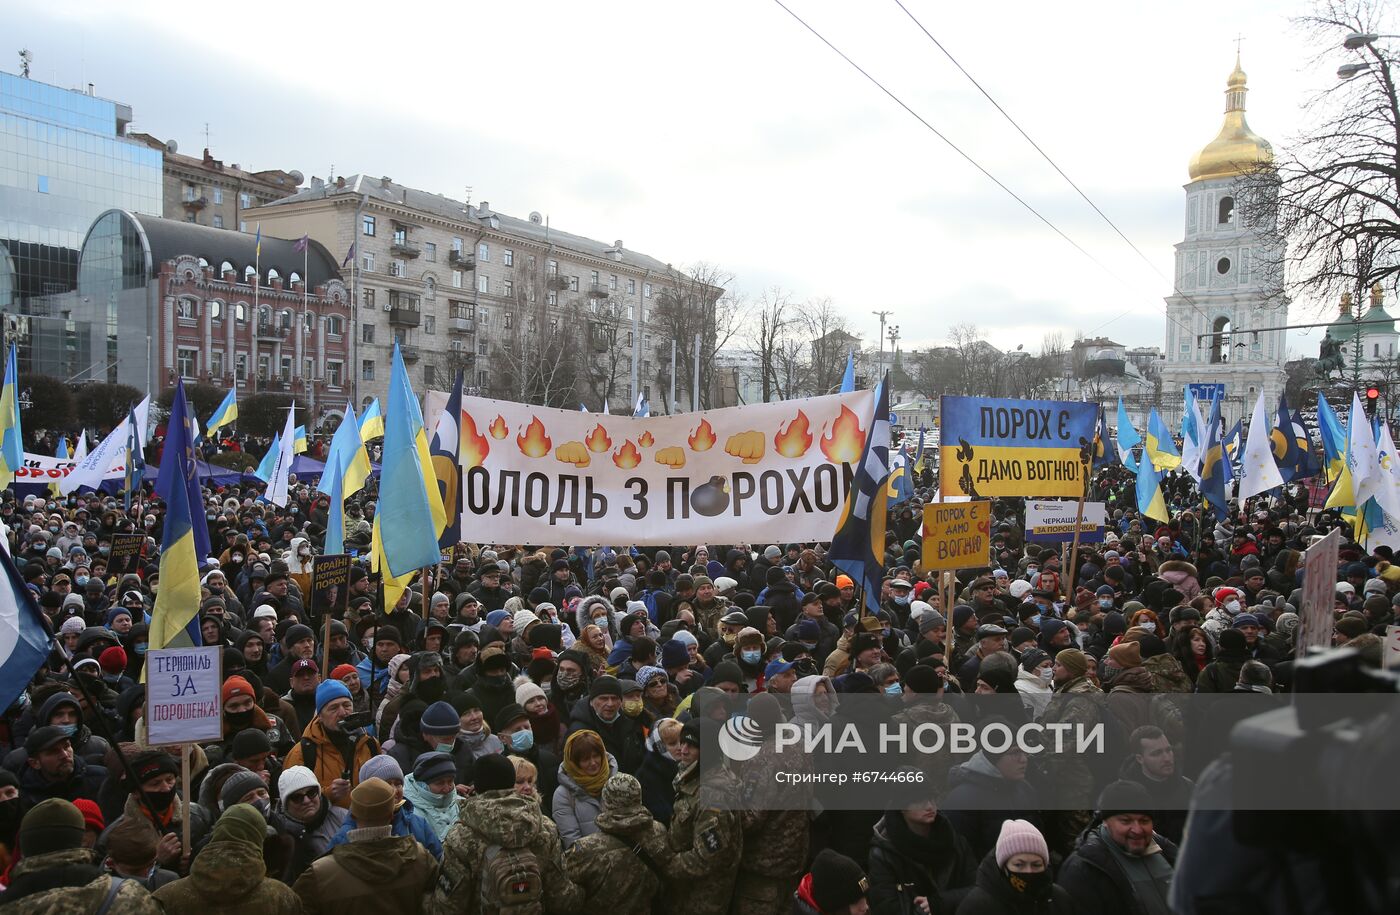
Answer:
(1358, 40)
(1347, 71)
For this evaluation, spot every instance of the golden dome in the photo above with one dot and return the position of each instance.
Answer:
(1236, 149)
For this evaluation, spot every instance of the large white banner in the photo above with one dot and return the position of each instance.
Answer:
(765, 473)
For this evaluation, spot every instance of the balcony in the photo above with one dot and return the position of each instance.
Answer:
(599, 291)
(195, 203)
(273, 332)
(405, 317)
(461, 326)
(409, 352)
(558, 282)
(405, 248)
(461, 260)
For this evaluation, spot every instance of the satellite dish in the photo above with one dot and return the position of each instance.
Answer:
(172, 147)
(535, 217)
(296, 176)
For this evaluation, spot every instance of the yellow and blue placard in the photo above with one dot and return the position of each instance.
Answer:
(1002, 447)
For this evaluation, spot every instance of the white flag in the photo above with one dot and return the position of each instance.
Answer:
(1258, 471)
(1362, 459)
(278, 481)
(108, 460)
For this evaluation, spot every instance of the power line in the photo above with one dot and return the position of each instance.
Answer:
(1046, 156)
(957, 149)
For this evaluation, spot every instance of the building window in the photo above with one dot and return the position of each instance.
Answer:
(481, 379)
(333, 370)
(630, 338)
(240, 312)
(573, 284)
(218, 221)
(456, 244)
(397, 267)
(483, 284)
(530, 261)
(189, 217)
(430, 252)
(366, 369)
(368, 297)
(186, 362)
(508, 257)
(481, 348)
(400, 236)
(456, 279)
(216, 311)
(218, 196)
(631, 287)
(430, 324)
(308, 368)
(335, 325)
(367, 262)
(507, 288)
(430, 287)
(483, 252)
(552, 268)
(460, 310)
(552, 298)
(243, 225)
(216, 365)
(593, 278)
(366, 333)
(1227, 211)
(483, 316)
(191, 191)
(1222, 266)
(186, 310)
(240, 366)
(646, 290)
(245, 201)
(367, 226)
(510, 320)
(308, 322)
(612, 282)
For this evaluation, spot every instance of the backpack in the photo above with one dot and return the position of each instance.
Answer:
(308, 752)
(511, 882)
(649, 601)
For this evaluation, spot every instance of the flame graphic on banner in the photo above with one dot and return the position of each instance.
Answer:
(475, 447)
(672, 456)
(844, 443)
(572, 453)
(597, 440)
(794, 441)
(534, 442)
(646, 440)
(498, 428)
(703, 438)
(627, 456)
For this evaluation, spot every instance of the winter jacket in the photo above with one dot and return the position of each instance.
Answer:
(407, 822)
(575, 811)
(994, 895)
(330, 765)
(615, 877)
(71, 867)
(980, 798)
(1182, 576)
(625, 738)
(227, 878)
(1035, 691)
(657, 775)
(132, 898)
(385, 874)
(1095, 877)
(707, 844)
(310, 840)
(940, 867)
(440, 810)
(85, 781)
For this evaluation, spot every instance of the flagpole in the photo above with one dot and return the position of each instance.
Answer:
(1069, 588)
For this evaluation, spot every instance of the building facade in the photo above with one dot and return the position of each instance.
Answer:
(1228, 287)
(527, 312)
(202, 304)
(64, 159)
(1366, 341)
(207, 192)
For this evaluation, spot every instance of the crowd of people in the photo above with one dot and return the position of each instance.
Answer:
(523, 730)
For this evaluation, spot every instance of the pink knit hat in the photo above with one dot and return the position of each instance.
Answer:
(1020, 837)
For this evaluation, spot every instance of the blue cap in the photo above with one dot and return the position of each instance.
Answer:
(775, 667)
(1246, 619)
(329, 691)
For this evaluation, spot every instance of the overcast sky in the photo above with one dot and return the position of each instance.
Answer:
(722, 131)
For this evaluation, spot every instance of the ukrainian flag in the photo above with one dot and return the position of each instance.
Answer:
(858, 546)
(447, 475)
(1214, 463)
(61, 452)
(407, 520)
(178, 467)
(1128, 438)
(1104, 453)
(11, 438)
(347, 467)
(225, 413)
(1334, 439)
(299, 440)
(1149, 493)
(1159, 444)
(175, 618)
(372, 422)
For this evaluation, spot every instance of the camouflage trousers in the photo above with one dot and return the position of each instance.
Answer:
(758, 895)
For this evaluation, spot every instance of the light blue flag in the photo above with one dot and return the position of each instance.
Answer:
(408, 534)
(643, 408)
(269, 462)
(848, 379)
(1127, 438)
(1215, 464)
(26, 644)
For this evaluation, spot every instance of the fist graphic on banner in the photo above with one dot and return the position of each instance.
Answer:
(747, 446)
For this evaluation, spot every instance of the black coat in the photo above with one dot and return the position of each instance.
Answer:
(658, 775)
(980, 799)
(993, 895)
(904, 865)
(624, 738)
(1096, 881)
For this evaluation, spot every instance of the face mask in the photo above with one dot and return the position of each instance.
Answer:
(210, 516)
(104, 550)
(522, 740)
(53, 529)
(1036, 886)
(729, 637)
(1106, 603)
(605, 719)
(68, 729)
(1031, 570)
(1232, 607)
(82, 580)
(601, 622)
(1148, 625)
(262, 805)
(751, 655)
(900, 599)
(810, 646)
(894, 689)
(161, 799)
(140, 647)
(1048, 673)
(303, 553)
(239, 720)
(237, 557)
(632, 708)
(1059, 606)
(430, 691)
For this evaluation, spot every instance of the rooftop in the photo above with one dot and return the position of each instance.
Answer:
(170, 238)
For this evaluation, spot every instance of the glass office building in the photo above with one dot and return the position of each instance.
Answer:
(64, 160)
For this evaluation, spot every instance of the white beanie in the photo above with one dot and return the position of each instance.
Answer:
(265, 611)
(527, 691)
(522, 619)
(917, 608)
(294, 779)
(1019, 588)
(723, 584)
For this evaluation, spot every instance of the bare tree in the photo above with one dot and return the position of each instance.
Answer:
(536, 360)
(693, 302)
(1333, 196)
(769, 324)
(606, 360)
(830, 342)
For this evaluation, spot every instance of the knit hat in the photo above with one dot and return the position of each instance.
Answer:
(265, 612)
(294, 779)
(1073, 660)
(383, 767)
(930, 621)
(387, 634)
(1031, 658)
(92, 814)
(51, 825)
(1019, 837)
(299, 632)
(432, 766)
(961, 614)
(622, 793)
(329, 691)
(113, 660)
(249, 742)
(153, 763)
(674, 654)
(1124, 797)
(74, 625)
(837, 881)
(440, 720)
(237, 785)
(236, 686)
(372, 801)
(643, 676)
(1126, 655)
(508, 715)
(341, 671)
(605, 685)
(494, 772)
(495, 616)
(527, 691)
(922, 680)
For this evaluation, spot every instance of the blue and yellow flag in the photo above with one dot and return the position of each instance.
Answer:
(1127, 438)
(1284, 443)
(1214, 463)
(858, 546)
(60, 452)
(901, 485)
(1150, 501)
(179, 467)
(1234, 440)
(225, 413)
(175, 617)
(848, 377)
(347, 467)
(372, 422)
(443, 451)
(919, 452)
(1159, 445)
(405, 518)
(257, 242)
(1105, 451)
(1334, 439)
(299, 440)
(27, 642)
(11, 437)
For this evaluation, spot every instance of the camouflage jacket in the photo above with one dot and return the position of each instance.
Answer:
(229, 877)
(506, 819)
(777, 816)
(1078, 703)
(615, 876)
(707, 844)
(935, 765)
(131, 899)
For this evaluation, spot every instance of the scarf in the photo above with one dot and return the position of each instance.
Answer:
(593, 784)
(547, 726)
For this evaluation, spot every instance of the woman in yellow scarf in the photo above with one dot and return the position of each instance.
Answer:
(586, 768)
